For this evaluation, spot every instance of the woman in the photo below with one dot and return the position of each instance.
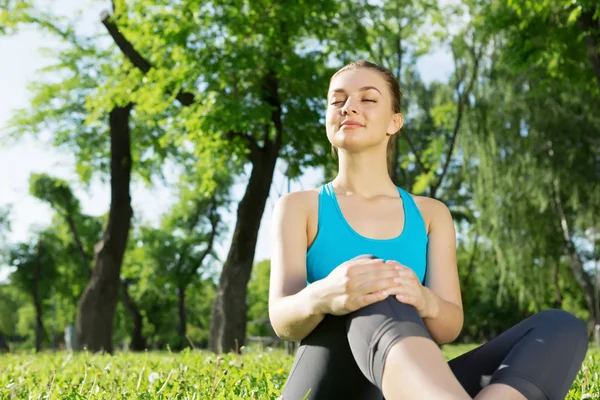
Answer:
(364, 275)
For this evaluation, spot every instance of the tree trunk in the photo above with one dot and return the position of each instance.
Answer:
(581, 276)
(99, 300)
(138, 341)
(39, 322)
(557, 294)
(3, 343)
(228, 320)
(471, 267)
(591, 31)
(37, 303)
(181, 328)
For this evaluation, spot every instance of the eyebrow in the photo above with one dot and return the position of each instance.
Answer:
(362, 89)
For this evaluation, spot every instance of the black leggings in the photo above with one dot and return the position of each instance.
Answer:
(344, 356)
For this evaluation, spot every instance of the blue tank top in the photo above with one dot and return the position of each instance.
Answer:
(336, 242)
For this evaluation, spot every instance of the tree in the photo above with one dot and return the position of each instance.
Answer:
(531, 174)
(35, 271)
(240, 115)
(183, 245)
(83, 113)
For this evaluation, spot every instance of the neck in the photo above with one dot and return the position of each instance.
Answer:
(364, 174)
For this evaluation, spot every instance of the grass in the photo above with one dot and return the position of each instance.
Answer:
(186, 375)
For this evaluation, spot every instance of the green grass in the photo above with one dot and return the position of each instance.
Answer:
(187, 375)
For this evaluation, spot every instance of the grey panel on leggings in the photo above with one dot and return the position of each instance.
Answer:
(373, 330)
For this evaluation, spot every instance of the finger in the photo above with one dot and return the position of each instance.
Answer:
(362, 266)
(398, 265)
(404, 290)
(406, 283)
(408, 273)
(403, 270)
(371, 298)
(407, 299)
(376, 285)
(376, 274)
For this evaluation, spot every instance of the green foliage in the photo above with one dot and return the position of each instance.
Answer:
(9, 304)
(54, 191)
(548, 35)
(35, 265)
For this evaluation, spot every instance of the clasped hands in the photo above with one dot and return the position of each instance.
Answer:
(365, 280)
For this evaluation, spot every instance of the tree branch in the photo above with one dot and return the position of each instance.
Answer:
(457, 123)
(214, 221)
(129, 51)
(414, 151)
(270, 95)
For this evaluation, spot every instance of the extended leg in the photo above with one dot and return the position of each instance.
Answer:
(539, 358)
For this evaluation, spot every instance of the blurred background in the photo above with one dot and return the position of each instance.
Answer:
(143, 145)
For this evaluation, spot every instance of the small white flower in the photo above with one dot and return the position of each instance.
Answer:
(152, 377)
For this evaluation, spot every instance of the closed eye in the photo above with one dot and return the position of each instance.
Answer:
(341, 101)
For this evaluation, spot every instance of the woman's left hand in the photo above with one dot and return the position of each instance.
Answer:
(410, 291)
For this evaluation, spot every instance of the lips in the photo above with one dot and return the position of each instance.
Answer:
(352, 124)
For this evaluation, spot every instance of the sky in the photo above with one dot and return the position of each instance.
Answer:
(20, 62)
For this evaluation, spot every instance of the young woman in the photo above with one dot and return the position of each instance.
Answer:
(364, 275)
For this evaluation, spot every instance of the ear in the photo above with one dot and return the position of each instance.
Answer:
(395, 124)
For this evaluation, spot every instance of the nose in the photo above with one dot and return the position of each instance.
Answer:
(349, 107)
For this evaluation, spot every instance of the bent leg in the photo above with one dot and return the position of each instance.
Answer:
(325, 368)
(539, 357)
(394, 350)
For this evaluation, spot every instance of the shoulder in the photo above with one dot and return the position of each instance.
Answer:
(300, 203)
(433, 211)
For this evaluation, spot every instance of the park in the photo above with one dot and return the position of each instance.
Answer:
(146, 147)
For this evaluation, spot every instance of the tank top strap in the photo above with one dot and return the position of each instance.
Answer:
(327, 209)
(414, 219)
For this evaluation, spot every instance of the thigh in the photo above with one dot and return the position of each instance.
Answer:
(325, 368)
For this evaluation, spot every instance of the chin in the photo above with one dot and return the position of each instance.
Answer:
(350, 147)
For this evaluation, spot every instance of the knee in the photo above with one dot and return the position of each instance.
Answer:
(565, 324)
(373, 330)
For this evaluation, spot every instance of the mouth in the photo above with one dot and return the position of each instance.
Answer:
(351, 124)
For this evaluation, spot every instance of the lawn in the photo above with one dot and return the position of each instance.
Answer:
(186, 375)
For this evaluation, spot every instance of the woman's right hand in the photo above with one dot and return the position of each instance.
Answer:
(356, 284)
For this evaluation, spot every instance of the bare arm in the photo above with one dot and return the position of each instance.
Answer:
(295, 309)
(445, 315)
(292, 309)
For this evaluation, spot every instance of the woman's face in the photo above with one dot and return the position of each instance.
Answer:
(359, 110)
